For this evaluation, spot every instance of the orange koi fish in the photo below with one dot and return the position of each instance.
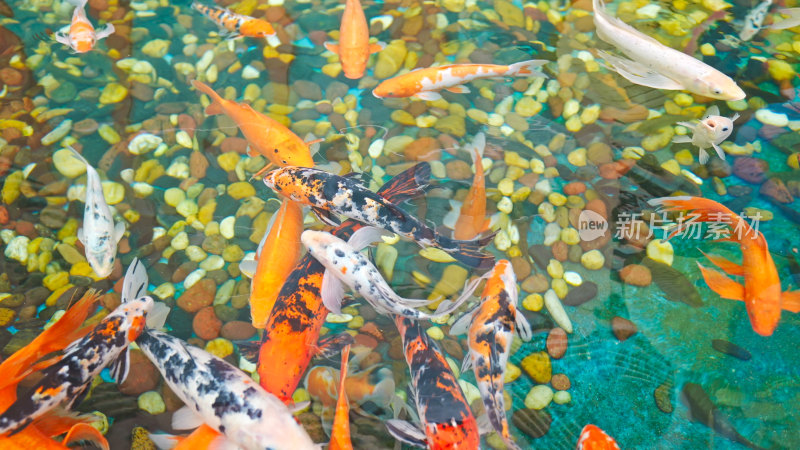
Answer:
(202, 437)
(340, 436)
(761, 291)
(236, 24)
(472, 219)
(424, 83)
(447, 421)
(293, 326)
(265, 135)
(82, 36)
(593, 438)
(491, 330)
(277, 256)
(354, 47)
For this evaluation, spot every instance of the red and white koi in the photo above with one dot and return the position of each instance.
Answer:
(709, 132)
(593, 438)
(491, 328)
(99, 235)
(425, 83)
(236, 24)
(344, 264)
(82, 36)
(655, 65)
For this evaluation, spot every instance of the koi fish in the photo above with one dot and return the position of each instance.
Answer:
(791, 21)
(425, 83)
(345, 265)
(340, 436)
(99, 235)
(593, 438)
(761, 291)
(710, 132)
(655, 65)
(69, 379)
(703, 410)
(447, 421)
(265, 135)
(222, 396)
(236, 25)
(82, 36)
(472, 219)
(202, 437)
(328, 194)
(291, 334)
(491, 329)
(354, 47)
(754, 20)
(276, 256)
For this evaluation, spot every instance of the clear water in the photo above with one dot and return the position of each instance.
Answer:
(612, 381)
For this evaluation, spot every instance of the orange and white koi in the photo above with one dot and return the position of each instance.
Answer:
(265, 135)
(276, 257)
(330, 194)
(236, 24)
(761, 291)
(68, 380)
(446, 419)
(593, 438)
(340, 435)
(491, 329)
(710, 132)
(655, 65)
(353, 47)
(291, 335)
(82, 36)
(424, 84)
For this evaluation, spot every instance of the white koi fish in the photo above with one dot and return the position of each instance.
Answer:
(655, 65)
(710, 132)
(754, 20)
(222, 397)
(491, 328)
(98, 235)
(81, 36)
(345, 264)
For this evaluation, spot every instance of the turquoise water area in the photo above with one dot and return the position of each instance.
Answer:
(647, 332)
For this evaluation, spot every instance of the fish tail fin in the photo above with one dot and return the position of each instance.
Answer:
(407, 184)
(446, 306)
(78, 3)
(197, 6)
(468, 253)
(85, 432)
(340, 431)
(77, 155)
(527, 68)
(477, 146)
(216, 101)
(703, 210)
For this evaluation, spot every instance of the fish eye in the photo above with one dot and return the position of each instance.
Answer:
(725, 129)
(717, 91)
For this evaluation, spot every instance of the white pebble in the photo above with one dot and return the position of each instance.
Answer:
(183, 139)
(226, 227)
(573, 278)
(249, 72)
(195, 253)
(556, 309)
(180, 241)
(193, 278)
(562, 397)
(338, 318)
(164, 291)
(18, 249)
(764, 116)
(58, 133)
(505, 205)
(144, 143)
(552, 233)
(213, 262)
(224, 292)
(539, 397)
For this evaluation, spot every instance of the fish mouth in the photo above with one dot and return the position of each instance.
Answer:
(376, 95)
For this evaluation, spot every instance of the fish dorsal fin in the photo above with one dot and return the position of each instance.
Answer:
(376, 47)
(299, 406)
(186, 419)
(331, 47)
(120, 367)
(406, 432)
(711, 111)
(523, 327)
(331, 345)
(428, 95)
(332, 292)
(157, 316)
(135, 282)
(365, 236)
(119, 231)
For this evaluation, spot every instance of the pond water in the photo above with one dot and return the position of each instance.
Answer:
(573, 158)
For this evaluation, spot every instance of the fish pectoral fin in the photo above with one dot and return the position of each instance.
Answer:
(249, 350)
(790, 301)
(81, 395)
(299, 406)
(331, 47)
(85, 432)
(365, 236)
(410, 183)
(248, 267)
(119, 231)
(712, 110)
(727, 266)
(325, 216)
(62, 38)
(721, 284)
(702, 155)
(186, 419)
(105, 32)
(157, 317)
(639, 73)
(376, 47)
(332, 292)
(120, 367)
(460, 89)
(466, 364)
(719, 150)
(681, 139)
(81, 236)
(331, 345)
(406, 432)
(523, 327)
(484, 424)
(461, 325)
(135, 281)
(428, 95)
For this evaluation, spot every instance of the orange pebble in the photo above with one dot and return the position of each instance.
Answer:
(574, 188)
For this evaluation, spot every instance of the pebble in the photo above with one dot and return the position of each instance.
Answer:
(219, 347)
(534, 423)
(539, 397)
(533, 302)
(144, 143)
(661, 251)
(560, 382)
(556, 309)
(151, 402)
(623, 328)
(67, 164)
(237, 330)
(538, 367)
(142, 375)
(768, 117)
(729, 348)
(17, 249)
(662, 397)
(213, 262)
(557, 343)
(636, 275)
(562, 397)
(227, 227)
(198, 296)
(593, 260)
(205, 324)
(240, 190)
(58, 133)
(113, 93)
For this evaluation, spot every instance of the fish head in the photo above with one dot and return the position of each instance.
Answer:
(720, 86)
(102, 261)
(136, 312)
(592, 437)
(322, 382)
(83, 44)
(325, 247)
(257, 29)
(718, 128)
(391, 89)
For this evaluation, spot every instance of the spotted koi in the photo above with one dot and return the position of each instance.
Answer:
(593, 438)
(99, 235)
(447, 421)
(236, 24)
(81, 36)
(491, 329)
(330, 194)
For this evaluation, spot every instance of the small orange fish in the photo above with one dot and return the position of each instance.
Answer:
(593, 438)
(424, 83)
(354, 47)
(265, 135)
(202, 437)
(82, 36)
(340, 435)
(472, 219)
(761, 291)
(236, 24)
(277, 255)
